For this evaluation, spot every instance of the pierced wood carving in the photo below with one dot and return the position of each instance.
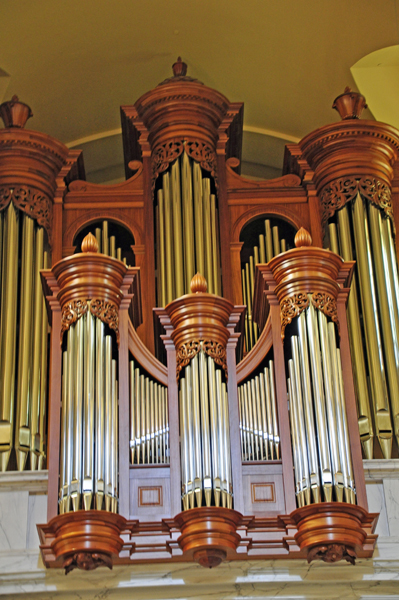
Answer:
(38, 206)
(291, 307)
(187, 351)
(204, 155)
(107, 312)
(216, 351)
(163, 156)
(71, 312)
(327, 304)
(337, 193)
(167, 153)
(185, 354)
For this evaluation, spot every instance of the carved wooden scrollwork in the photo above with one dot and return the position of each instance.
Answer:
(327, 304)
(204, 155)
(291, 307)
(71, 312)
(167, 153)
(87, 561)
(163, 156)
(216, 351)
(331, 553)
(340, 191)
(186, 352)
(36, 205)
(107, 312)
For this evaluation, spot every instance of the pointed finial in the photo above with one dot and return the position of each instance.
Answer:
(198, 284)
(89, 243)
(302, 238)
(15, 113)
(349, 104)
(179, 68)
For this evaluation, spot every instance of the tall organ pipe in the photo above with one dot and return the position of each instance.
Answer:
(187, 230)
(22, 392)
(89, 442)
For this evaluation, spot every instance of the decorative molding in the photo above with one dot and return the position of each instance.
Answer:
(150, 496)
(291, 307)
(263, 492)
(186, 352)
(36, 205)
(71, 312)
(46, 149)
(327, 304)
(107, 312)
(340, 191)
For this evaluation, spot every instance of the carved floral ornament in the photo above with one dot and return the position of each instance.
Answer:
(186, 352)
(167, 153)
(293, 305)
(340, 191)
(107, 312)
(36, 205)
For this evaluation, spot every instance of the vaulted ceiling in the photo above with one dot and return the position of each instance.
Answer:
(76, 61)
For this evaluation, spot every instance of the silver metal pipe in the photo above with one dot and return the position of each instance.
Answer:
(205, 433)
(273, 398)
(308, 407)
(88, 414)
(320, 411)
(196, 430)
(99, 481)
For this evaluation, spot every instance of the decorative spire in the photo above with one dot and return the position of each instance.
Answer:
(15, 113)
(89, 243)
(350, 104)
(198, 284)
(179, 68)
(302, 238)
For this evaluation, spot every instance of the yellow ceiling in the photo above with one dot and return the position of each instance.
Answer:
(76, 61)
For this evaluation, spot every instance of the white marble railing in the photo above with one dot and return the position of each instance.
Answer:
(23, 505)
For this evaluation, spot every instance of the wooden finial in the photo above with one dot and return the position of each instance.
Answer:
(302, 238)
(179, 68)
(198, 284)
(349, 104)
(15, 113)
(89, 243)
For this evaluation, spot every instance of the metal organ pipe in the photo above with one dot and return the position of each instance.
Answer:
(187, 231)
(89, 438)
(258, 417)
(23, 390)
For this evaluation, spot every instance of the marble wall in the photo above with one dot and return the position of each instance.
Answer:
(23, 504)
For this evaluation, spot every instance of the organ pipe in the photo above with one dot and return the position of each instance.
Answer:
(89, 440)
(149, 425)
(205, 440)
(22, 389)
(269, 246)
(258, 417)
(187, 230)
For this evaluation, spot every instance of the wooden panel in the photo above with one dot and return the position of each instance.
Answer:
(150, 493)
(263, 489)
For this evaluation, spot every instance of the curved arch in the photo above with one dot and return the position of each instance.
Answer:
(105, 214)
(257, 211)
(255, 356)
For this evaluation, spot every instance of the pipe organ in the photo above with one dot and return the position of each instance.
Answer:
(211, 402)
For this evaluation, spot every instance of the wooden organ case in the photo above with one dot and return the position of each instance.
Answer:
(201, 400)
